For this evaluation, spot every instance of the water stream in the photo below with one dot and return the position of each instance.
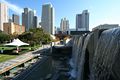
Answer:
(106, 56)
(96, 56)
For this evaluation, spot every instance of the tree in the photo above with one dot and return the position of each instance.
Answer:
(4, 37)
(35, 36)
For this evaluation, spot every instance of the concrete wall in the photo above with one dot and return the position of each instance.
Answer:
(38, 71)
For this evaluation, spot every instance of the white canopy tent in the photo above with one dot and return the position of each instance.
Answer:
(17, 43)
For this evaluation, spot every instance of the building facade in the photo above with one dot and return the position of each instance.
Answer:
(64, 25)
(106, 26)
(47, 19)
(25, 19)
(28, 18)
(3, 15)
(12, 28)
(15, 19)
(82, 21)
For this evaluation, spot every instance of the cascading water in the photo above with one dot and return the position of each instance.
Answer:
(106, 64)
(76, 54)
(82, 61)
(84, 54)
(96, 56)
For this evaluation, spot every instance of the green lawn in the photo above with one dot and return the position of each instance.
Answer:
(7, 48)
(5, 57)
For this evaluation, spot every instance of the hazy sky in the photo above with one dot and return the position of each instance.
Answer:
(101, 11)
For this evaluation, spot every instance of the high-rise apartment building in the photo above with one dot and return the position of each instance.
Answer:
(15, 19)
(28, 18)
(82, 21)
(47, 19)
(64, 25)
(3, 14)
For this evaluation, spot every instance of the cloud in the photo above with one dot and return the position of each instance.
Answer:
(13, 7)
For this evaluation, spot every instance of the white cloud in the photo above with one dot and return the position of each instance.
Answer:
(13, 7)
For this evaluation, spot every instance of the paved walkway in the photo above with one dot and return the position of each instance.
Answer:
(7, 65)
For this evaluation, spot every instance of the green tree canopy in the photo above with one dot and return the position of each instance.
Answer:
(35, 36)
(4, 37)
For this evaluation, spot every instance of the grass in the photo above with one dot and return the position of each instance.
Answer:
(8, 55)
(5, 57)
(36, 46)
(25, 48)
(7, 48)
(23, 51)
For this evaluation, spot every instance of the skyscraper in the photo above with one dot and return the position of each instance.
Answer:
(78, 21)
(15, 19)
(30, 19)
(47, 19)
(3, 14)
(35, 21)
(27, 18)
(82, 21)
(64, 25)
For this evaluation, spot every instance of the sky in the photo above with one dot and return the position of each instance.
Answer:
(101, 11)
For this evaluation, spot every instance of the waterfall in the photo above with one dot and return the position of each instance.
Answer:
(82, 61)
(76, 54)
(106, 64)
(96, 56)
